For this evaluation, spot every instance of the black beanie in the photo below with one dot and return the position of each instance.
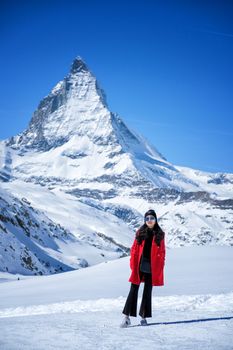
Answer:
(150, 212)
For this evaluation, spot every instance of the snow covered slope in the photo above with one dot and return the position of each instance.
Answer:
(82, 309)
(29, 240)
(86, 170)
(31, 243)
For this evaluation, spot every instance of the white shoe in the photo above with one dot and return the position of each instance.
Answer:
(126, 322)
(143, 322)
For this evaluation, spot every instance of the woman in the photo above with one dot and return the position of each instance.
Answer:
(149, 246)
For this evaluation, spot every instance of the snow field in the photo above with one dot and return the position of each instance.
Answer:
(95, 325)
(82, 310)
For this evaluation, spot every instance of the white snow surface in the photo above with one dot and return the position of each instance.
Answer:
(83, 309)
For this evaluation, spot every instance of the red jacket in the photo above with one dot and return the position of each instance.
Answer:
(157, 262)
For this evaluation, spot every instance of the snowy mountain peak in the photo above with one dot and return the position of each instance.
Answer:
(78, 65)
(75, 121)
(73, 107)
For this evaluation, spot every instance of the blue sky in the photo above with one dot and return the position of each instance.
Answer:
(166, 68)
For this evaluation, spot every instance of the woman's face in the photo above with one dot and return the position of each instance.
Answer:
(150, 221)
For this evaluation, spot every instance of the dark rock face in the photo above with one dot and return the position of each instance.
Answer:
(78, 66)
(220, 179)
(156, 195)
(94, 194)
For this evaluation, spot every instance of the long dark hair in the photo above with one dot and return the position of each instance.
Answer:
(142, 233)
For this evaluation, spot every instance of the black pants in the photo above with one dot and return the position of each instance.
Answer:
(130, 308)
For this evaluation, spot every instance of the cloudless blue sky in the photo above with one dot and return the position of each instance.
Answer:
(166, 68)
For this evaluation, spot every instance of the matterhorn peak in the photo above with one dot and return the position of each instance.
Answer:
(74, 101)
(78, 65)
(76, 108)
